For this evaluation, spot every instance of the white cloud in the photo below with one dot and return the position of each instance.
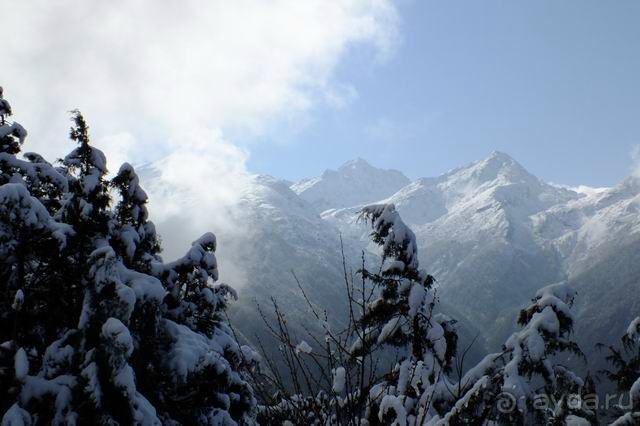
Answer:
(150, 68)
(341, 96)
(196, 190)
(162, 81)
(582, 189)
(589, 190)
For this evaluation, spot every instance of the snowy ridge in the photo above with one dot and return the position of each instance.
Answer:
(583, 229)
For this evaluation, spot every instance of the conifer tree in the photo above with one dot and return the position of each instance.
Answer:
(625, 373)
(404, 315)
(94, 328)
(31, 242)
(524, 384)
(195, 305)
(398, 309)
(5, 108)
(135, 237)
(86, 205)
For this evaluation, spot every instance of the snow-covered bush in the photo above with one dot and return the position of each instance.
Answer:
(94, 327)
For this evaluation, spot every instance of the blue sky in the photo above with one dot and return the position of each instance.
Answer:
(555, 84)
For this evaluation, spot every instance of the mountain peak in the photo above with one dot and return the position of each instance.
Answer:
(355, 182)
(497, 166)
(500, 157)
(358, 163)
(501, 160)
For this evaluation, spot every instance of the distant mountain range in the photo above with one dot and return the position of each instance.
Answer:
(490, 232)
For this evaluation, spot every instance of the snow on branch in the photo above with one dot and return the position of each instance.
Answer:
(398, 242)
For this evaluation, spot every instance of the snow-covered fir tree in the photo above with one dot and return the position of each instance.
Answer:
(404, 314)
(94, 327)
(625, 374)
(525, 383)
(135, 237)
(193, 309)
(397, 309)
(5, 108)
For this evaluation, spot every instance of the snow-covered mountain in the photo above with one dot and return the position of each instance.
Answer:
(490, 232)
(476, 236)
(589, 228)
(494, 194)
(597, 239)
(355, 182)
(288, 237)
